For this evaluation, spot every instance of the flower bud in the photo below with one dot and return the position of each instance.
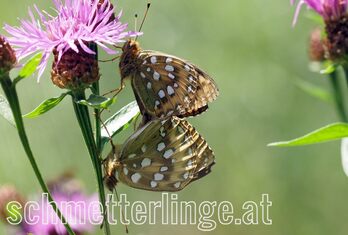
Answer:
(7, 56)
(317, 46)
(74, 71)
(8, 194)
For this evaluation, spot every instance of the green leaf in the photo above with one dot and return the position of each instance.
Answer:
(46, 106)
(119, 121)
(331, 132)
(5, 111)
(29, 68)
(98, 102)
(315, 91)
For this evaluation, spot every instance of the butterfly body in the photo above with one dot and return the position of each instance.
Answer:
(128, 61)
(163, 155)
(165, 85)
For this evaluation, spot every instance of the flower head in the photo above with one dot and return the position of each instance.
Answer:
(335, 16)
(78, 23)
(76, 208)
(328, 9)
(74, 71)
(81, 211)
(7, 56)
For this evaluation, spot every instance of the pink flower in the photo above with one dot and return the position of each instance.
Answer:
(79, 209)
(328, 9)
(78, 22)
(82, 211)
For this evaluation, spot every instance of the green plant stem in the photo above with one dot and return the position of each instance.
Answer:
(97, 113)
(339, 100)
(96, 91)
(84, 121)
(12, 97)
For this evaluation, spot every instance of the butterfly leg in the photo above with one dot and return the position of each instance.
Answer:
(116, 91)
(111, 60)
(110, 138)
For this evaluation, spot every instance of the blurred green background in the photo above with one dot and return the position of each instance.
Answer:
(255, 56)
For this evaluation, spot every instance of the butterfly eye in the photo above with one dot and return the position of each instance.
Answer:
(127, 46)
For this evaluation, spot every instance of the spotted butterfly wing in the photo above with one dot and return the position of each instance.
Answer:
(164, 156)
(166, 85)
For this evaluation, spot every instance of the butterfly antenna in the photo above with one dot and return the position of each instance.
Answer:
(136, 22)
(123, 217)
(143, 21)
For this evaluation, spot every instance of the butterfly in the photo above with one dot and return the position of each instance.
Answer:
(163, 155)
(165, 85)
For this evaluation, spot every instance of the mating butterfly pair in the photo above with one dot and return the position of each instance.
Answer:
(166, 153)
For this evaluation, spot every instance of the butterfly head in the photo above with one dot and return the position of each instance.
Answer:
(130, 52)
(111, 164)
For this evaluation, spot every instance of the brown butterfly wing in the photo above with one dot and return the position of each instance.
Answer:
(166, 85)
(204, 153)
(164, 156)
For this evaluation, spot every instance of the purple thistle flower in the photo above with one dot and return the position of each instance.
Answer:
(79, 209)
(335, 16)
(78, 23)
(328, 9)
(82, 211)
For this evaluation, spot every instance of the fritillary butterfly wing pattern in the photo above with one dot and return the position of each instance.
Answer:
(204, 153)
(166, 85)
(173, 86)
(164, 156)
